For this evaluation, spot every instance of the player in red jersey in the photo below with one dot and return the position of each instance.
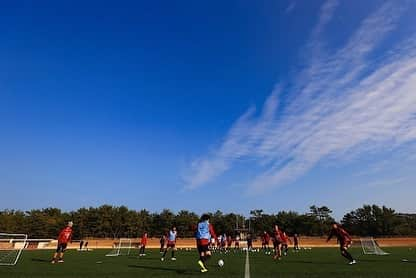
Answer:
(285, 243)
(143, 243)
(249, 240)
(223, 243)
(237, 243)
(229, 242)
(344, 240)
(162, 241)
(64, 237)
(218, 243)
(265, 242)
(277, 242)
(296, 242)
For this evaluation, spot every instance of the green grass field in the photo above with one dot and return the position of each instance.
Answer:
(318, 262)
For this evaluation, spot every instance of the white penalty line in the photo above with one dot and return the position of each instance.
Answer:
(247, 268)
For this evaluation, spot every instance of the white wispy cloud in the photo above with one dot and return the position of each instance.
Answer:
(342, 104)
(394, 182)
(290, 8)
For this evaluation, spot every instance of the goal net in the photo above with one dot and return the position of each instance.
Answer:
(370, 247)
(11, 247)
(120, 248)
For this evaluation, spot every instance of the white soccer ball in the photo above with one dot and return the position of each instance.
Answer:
(220, 263)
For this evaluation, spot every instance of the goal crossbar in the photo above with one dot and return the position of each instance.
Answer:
(11, 247)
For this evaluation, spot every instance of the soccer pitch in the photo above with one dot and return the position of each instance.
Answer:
(318, 262)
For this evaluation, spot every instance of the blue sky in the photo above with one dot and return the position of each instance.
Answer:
(231, 105)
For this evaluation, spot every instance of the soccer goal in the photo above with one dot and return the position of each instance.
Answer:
(370, 247)
(120, 248)
(11, 247)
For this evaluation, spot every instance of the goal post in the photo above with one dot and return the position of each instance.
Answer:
(11, 247)
(121, 248)
(370, 247)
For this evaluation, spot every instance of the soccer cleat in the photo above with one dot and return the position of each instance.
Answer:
(203, 268)
(352, 262)
(60, 261)
(53, 261)
(173, 259)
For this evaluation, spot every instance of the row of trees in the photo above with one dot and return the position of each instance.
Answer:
(113, 222)
(377, 221)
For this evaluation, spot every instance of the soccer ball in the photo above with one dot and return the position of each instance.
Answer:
(220, 263)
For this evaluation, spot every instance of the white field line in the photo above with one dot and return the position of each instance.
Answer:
(247, 268)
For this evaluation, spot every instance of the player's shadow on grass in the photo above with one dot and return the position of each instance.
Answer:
(368, 260)
(309, 262)
(41, 260)
(177, 271)
(143, 258)
(377, 259)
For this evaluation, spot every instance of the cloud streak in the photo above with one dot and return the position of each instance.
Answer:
(290, 8)
(343, 104)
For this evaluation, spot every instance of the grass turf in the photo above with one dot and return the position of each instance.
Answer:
(318, 262)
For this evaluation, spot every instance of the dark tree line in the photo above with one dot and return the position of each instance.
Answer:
(314, 223)
(379, 221)
(113, 222)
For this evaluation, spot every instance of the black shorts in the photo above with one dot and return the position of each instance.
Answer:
(276, 243)
(61, 247)
(344, 244)
(202, 248)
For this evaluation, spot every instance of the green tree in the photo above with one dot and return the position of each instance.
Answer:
(185, 220)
